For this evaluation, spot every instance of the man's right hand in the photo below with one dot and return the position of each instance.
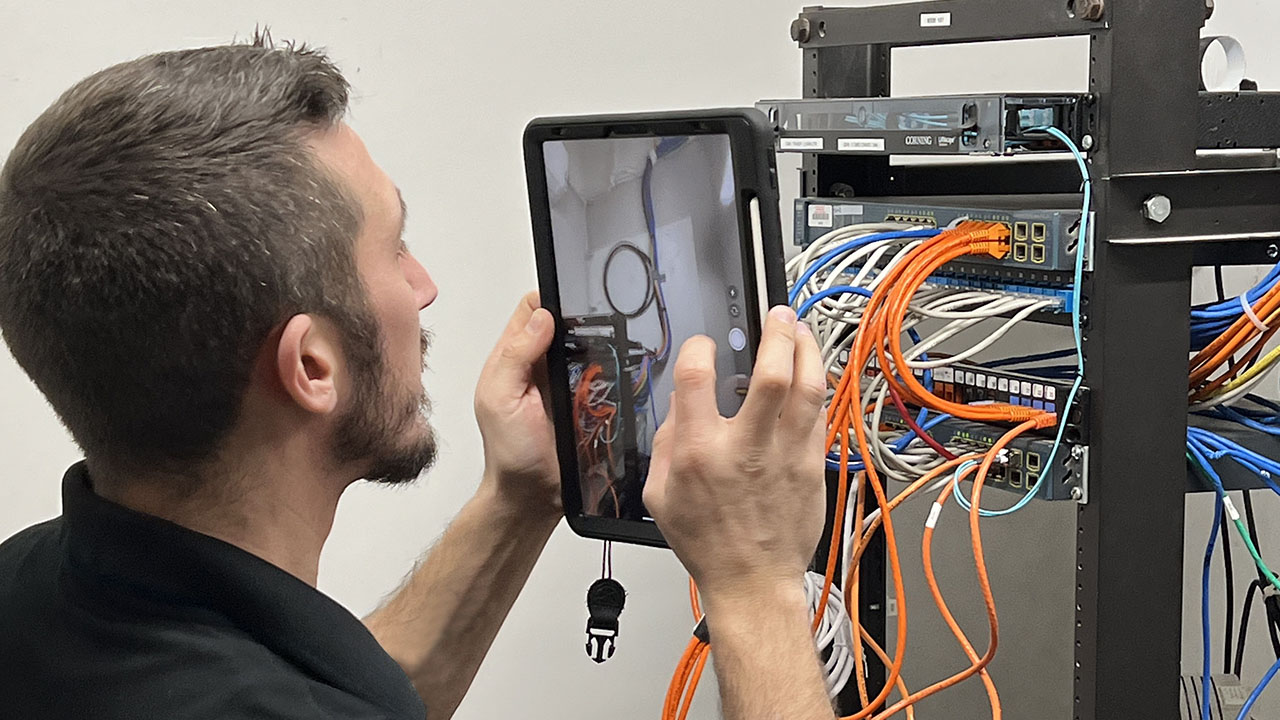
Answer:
(741, 500)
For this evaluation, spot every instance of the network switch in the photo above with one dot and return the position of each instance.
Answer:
(1027, 458)
(1044, 230)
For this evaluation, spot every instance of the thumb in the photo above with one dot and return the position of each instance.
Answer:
(520, 348)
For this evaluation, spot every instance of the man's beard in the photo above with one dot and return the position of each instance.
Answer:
(386, 428)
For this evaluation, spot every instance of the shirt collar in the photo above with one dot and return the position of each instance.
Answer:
(184, 570)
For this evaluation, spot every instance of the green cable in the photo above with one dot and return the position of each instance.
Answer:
(1235, 518)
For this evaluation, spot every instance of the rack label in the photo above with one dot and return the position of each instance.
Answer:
(860, 144)
(942, 19)
(795, 143)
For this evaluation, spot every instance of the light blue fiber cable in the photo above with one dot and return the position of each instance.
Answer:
(1078, 280)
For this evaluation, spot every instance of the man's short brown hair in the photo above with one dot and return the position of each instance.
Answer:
(156, 223)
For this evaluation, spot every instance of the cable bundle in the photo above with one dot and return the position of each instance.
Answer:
(1202, 447)
(1227, 340)
(1210, 321)
(879, 335)
(1237, 347)
(832, 282)
(833, 639)
(865, 291)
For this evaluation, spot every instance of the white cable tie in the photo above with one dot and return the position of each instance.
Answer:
(1270, 590)
(1253, 317)
(1231, 509)
(934, 513)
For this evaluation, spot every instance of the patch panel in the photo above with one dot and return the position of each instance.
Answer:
(1044, 228)
(971, 383)
(955, 277)
(1025, 460)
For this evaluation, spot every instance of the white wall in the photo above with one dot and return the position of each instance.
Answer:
(442, 92)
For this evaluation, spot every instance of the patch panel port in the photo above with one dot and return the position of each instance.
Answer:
(1020, 231)
(1039, 231)
(1037, 254)
(1033, 460)
(1020, 252)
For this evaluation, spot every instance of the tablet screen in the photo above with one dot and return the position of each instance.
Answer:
(648, 253)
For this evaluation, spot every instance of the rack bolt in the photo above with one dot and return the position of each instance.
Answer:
(1076, 493)
(1157, 208)
(800, 29)
(1272, 251)
(1086, 142)
(1077, 452)
(1087, 9)
(1208, 9)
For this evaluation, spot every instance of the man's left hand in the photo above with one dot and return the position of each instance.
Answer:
(512, 411)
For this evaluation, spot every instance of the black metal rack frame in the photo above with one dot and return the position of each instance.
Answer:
(1149, 118)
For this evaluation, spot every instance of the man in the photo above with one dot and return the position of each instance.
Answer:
(202, 269)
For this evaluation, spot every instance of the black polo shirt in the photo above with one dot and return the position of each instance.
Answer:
(106, 613)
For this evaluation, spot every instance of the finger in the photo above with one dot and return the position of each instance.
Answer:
(695, 383)
(772, 376)
(655, 485)
(808, 387)
(541, 379)
(521, 346)
(519, 320)
(524, 310)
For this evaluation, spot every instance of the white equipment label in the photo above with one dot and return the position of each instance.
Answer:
(794, 143)
(820, 216)
(942, 19)
(860, 145)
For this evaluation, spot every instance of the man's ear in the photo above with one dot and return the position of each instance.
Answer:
(307, 363)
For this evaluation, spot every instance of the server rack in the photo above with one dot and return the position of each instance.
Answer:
(1148, 119)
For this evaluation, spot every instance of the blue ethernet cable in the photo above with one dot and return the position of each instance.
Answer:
(1207, 676)
(1230, 413)
(831, 255)
(1257, 692)
(821, 295)
(1210, 321)
(1200, 461)
(1199, 453)
(1214, 447)
(1230, 309)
